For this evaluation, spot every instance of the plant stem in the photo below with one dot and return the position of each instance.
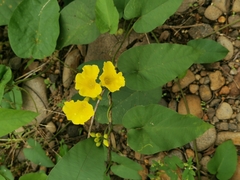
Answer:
(154, 36)
(92, 118)
(227, 25)
(129, 30)
(194, 141)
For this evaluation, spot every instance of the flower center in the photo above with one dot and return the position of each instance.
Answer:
(107, 80)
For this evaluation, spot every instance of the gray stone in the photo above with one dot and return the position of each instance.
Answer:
(205, 92)
(236, 6)
(214, 102)
(206, 140)
(232, 127)
(223, 126)
(200, 31)
(210, 112)
(176, 153)
(36, 98)
(15, 63)
(232, 19)
(224, 111)
(212, 13)
(223, 5)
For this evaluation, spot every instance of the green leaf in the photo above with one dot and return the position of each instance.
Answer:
(106, 16)
(120, 5)
(151, 13)
(34, 28)
(34, 176)
(77, 22)
(209, 50)
(150, 66)
(155, 128)
(124, 100)
(5, 173)
(6, 10)
(5, 77)
(13, 119)
(12, 99)
(83, 161)
(125, 168)
(224, 161)
(2, 178)
(36, 154)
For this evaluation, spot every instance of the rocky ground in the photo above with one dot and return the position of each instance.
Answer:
(212, 89)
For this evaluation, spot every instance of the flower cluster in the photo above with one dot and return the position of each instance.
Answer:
(99, 139)
(80, 111)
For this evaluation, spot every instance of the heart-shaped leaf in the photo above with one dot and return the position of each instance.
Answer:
(34, 28)
(77, 22)
(12, 119)
(224, 161)
(36, 154)
(80, 163)
(210, 51)
(150, 66)
(6, 10)
(151, 13)
(106, 16)
(155, 128)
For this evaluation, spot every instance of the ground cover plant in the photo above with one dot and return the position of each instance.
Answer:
(120, 91)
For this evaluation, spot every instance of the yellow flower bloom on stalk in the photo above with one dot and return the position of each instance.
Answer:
(110, 78)
(78, 112)
(86, 82)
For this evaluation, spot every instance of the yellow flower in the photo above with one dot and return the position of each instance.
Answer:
(78, 112)
(110, 78)
(86, 82)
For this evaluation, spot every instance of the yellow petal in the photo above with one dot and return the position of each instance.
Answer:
(105, 142)
(110, 78)
(78, 112)
(86, 82)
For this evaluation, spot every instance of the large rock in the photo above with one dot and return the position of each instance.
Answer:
(36, 98)
(226, 135)
(194, 104)
(71, 64)
(206, 140)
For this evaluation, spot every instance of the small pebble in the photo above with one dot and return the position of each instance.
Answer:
(51, 127)
(224, 111)
(223, 126)
(193, 88)
(217, 80)
(212, 13)
(205, 92)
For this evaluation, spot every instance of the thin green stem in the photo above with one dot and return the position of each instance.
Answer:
(129, 30)
(155, 37)
(194, 141)
(227, 25)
